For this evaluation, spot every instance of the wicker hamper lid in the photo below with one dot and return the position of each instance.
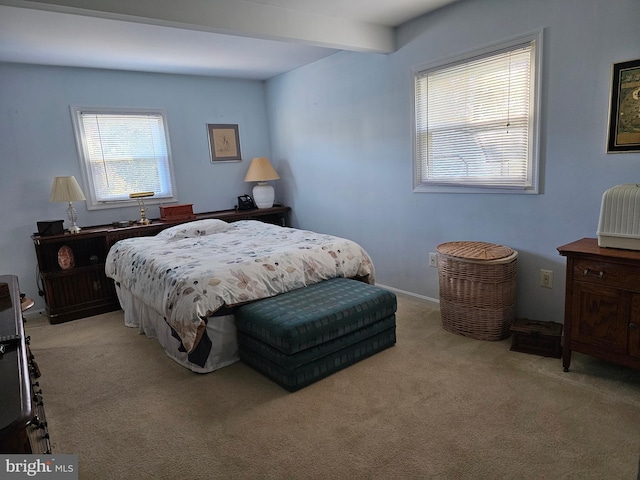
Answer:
(480, 251)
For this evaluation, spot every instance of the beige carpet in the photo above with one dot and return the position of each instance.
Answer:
(436, 405)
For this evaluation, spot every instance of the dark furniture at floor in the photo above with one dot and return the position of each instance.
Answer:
(23, 424)
(536, 337)
(602, 303)
(304, 335)
(83, 289)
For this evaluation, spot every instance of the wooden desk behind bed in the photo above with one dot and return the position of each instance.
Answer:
(84, 289)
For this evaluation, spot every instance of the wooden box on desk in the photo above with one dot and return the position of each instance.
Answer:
(539, 338)
(176, 212)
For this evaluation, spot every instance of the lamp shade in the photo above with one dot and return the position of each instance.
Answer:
(66, 189)
(261, 170)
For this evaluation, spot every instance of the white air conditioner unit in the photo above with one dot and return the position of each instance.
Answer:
(619, 225)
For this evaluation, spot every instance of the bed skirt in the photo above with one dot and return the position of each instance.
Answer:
(221, 331)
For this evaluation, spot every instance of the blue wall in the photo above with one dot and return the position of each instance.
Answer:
(339, 134)
(341, 137)
(37, 143)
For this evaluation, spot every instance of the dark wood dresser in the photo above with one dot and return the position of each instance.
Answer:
(602, 303)
(23, 425)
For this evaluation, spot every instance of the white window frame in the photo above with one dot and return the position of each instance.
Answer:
(83, 155)
(420, 185)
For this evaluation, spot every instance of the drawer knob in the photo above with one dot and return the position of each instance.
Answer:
(633, 326)
(593, 273)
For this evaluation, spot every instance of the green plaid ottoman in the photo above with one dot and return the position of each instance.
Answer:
(302, 336)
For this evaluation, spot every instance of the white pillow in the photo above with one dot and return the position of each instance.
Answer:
(197, 228)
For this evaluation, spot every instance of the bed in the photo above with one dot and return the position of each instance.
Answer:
(182, 285)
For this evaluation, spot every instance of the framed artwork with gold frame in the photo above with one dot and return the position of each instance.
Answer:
(224, 143)
(624, 114)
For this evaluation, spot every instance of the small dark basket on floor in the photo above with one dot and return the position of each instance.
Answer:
(477, 288)
(537, 337)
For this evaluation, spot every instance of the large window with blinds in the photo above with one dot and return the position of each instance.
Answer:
(476, 121)
(123, 151)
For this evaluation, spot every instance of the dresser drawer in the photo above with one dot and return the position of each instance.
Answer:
(606, 273)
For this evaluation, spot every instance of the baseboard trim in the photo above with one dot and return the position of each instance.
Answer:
(424, 298)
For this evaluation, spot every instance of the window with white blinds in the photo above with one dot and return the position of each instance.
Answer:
(475, 122)
(123, 152)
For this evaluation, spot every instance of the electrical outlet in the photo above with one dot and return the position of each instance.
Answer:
(433, 259)
(546, 278)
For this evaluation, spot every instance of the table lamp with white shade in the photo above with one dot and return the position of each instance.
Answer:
(66, 189)
(262, 171)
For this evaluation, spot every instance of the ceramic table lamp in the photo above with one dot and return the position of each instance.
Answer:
(262, 171)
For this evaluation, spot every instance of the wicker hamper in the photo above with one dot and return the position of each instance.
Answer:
(477, 288)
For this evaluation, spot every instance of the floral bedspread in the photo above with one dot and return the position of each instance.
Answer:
(188, 272)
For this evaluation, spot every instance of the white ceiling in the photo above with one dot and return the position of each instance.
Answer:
(254, 39)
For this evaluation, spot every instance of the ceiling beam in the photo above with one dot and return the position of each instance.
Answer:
(233, 17)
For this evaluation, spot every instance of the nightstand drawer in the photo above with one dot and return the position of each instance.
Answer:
(606, 273)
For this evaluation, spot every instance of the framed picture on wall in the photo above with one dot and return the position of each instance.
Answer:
(624, 115)
(224, 142)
